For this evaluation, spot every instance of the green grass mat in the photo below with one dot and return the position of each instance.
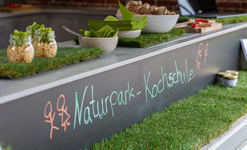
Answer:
(150, 39)
(65, 56)
(188, 124)
(4, 147)
(230, 20)
(183, 19)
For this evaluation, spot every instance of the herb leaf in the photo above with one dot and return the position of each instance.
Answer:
(20, 38)
(32, 28)
(45, 35)
(126, 14)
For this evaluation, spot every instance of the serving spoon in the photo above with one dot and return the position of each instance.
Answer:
(70, 31)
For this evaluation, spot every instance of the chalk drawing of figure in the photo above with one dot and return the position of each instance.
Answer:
(205, 53)
(50, 118)
(199, 56)
(63, 109)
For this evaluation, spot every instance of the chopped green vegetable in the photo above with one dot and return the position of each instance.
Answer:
(19, 38)
(122, 25)
(126, 14)
(32, 28)
(111, 18)
(105, 31)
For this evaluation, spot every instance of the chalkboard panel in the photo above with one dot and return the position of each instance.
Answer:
(75, 115)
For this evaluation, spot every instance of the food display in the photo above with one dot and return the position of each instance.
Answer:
(44, 43)
(159, 19)
(121, 25)
(105, 38)
(137, 7)
(20, 49)
(128, 26)
(199, 25)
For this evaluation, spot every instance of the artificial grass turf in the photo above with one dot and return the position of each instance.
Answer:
(150, 39)
(6, 147)
(183, 19)
(229, 20)
(187, 124)
(65, 56)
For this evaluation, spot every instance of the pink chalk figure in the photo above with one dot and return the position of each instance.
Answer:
(199, 56)
(201, 52)
(63, 112)
(50, 117)
(62, 109)
(206, 53)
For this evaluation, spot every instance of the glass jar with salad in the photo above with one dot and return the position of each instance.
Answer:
(20, 49)
(44, 43)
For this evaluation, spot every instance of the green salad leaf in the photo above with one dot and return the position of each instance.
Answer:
(122, 25)
(126, 14)
(45, 35)
(111, 18)
(105, 31)
(20, 38)
(32, 28)
(140, 22)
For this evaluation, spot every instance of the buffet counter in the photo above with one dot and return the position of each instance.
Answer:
(103, 96)
(55, 18)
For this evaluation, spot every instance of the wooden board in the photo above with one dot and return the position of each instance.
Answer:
(24, 8)
(182, 25)
(214, 26)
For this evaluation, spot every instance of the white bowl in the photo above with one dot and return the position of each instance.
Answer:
(157, 23)
(129, 34)
(106, 44)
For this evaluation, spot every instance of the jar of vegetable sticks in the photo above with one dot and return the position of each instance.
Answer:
(20, 49)
(44, 43)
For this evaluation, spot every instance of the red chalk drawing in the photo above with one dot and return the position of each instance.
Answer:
(199, 56)
(50, 117)
(63, 112)
(202, 54)
(205, 53)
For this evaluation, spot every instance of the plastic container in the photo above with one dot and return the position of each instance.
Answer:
(21, 51)
(227, 79)
(44, 43)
